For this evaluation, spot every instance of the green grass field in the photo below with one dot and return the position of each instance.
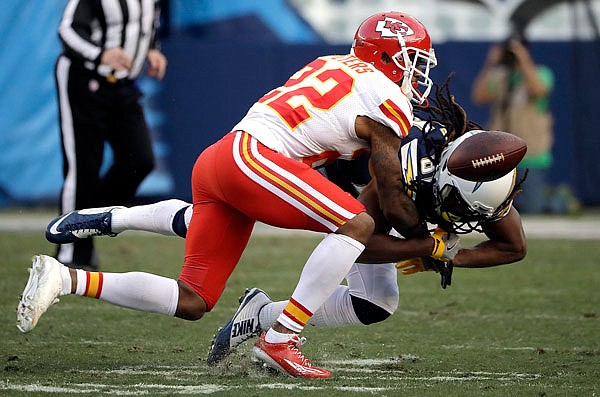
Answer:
(527, 329)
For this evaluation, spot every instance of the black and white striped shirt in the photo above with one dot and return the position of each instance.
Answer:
(88, 27)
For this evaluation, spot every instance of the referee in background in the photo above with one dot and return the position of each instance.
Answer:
(105, 47)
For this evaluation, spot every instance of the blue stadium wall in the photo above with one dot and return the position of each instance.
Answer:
(212, 84)
(223, 55)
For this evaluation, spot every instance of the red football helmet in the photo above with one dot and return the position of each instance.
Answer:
(399, 46)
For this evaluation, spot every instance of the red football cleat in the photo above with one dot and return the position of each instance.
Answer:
(287, 358)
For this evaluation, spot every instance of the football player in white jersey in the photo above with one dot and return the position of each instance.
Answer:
(371, 294)
(335, 107)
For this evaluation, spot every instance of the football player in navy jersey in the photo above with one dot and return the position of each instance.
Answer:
(371, 295)
(450, 203)
(264, 169)
(454, 205)
(371, 292)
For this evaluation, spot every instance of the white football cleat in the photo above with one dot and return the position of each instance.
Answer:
(242, 326)
(43, 288)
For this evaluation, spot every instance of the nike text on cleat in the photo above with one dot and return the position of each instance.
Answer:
(243, 325)
(287, 358)
(77, 225)
(42, 290)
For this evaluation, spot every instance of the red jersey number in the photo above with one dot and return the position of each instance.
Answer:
(309, 87)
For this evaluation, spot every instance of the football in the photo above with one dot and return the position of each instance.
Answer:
(486, 155)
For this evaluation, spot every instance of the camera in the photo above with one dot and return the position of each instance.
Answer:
(508, 56)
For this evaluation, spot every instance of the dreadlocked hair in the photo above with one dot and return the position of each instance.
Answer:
(442, 108)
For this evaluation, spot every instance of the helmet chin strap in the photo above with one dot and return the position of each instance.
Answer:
(406, 85)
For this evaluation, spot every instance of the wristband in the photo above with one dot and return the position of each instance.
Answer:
(438, 246)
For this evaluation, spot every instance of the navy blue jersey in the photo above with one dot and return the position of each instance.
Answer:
(419, 155)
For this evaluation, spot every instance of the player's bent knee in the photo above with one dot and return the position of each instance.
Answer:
(360, 227)
(179, 226)
(368, 312)
(190, 306)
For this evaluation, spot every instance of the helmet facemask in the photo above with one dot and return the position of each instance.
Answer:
(450, 205)
(415, 62)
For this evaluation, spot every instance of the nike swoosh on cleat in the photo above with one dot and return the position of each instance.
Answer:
(301, 368)
(54, 227)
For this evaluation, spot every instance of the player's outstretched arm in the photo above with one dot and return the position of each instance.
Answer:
(383, 248)
(506, 244)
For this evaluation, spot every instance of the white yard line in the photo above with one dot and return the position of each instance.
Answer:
(349, 370)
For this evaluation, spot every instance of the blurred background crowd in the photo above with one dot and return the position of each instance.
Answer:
(225, 54)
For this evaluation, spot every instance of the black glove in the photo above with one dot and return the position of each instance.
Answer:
(427, 263)
(444, 268)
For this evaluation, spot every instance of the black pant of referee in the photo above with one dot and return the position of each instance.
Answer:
(95, 111)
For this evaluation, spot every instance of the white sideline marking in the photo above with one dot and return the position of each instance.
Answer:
(131, 390)
(141, 389)
(524, 348)
(293, 386)
(351, 370)
(583, 227)
(372, 361)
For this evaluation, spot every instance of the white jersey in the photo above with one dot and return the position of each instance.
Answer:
(311, 117)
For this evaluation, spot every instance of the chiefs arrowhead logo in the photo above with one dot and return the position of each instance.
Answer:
(391, 27)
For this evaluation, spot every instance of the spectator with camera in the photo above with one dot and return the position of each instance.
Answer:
(518, 92)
